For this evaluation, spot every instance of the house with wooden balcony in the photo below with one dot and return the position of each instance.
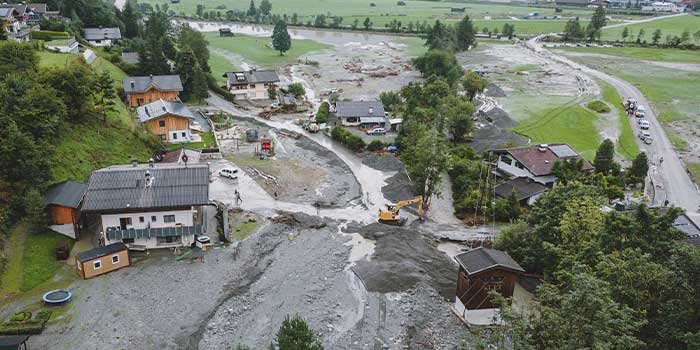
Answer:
(168, 120)
(143, 90)
(149, 206)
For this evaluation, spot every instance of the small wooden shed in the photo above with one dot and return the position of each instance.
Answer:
(64, 201)
(100, 260)
(482, 270)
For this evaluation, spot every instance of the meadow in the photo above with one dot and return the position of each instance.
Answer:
(668, 26)
(643, 53)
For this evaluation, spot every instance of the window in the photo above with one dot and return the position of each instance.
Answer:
(161, 123)
(139, 101)
(96, 265)
(115, 259)
(128, 240)
(184, 134)
(142, 219)
(168, 218)
(252, 86)
(153, 218)
(507, 160)
(174, 136)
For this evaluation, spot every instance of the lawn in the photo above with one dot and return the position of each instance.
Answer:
(524, 27)
(208, 141)
(694, 169)
(668, 26)
(95, 144)
(626, 144)
(383, 12)
(253, 50)
(32, 260)
(574, 125)
(643, 53)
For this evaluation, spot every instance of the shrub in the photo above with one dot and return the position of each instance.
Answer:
(296, 89)
(48, 35)
(598, 106)
(323, 112)
(375, 145)
(347, 138)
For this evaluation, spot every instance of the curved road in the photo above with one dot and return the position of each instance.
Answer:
(671, 179)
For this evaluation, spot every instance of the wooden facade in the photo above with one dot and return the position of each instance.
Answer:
(61, 215)
(473, 290)
(137, 99)
(163, 125)
(102, 264)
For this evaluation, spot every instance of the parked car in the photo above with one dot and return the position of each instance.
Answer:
(376, 131)
(641, 108)
(639, 121)
(644, 125)
(230, 173)
(639, 114)
(645, 137)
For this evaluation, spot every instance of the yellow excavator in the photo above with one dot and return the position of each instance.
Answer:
(390, 215)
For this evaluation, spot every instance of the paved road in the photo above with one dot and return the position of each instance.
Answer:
(652, 19)
(672, 181)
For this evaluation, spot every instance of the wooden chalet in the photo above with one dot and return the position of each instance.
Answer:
(146, 89)
(168, 120)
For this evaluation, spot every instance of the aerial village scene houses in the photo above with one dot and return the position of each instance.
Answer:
(198, 176)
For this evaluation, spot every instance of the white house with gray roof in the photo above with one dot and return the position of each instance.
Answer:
(252, 84)
(102, 36)
(149, 206)
(361, 113)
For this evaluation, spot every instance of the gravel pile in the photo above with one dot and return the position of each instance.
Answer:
(381, 162)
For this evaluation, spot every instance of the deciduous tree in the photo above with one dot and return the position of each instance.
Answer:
(265, 7)
(439, 63)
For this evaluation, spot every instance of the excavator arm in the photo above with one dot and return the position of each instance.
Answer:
(391, 216)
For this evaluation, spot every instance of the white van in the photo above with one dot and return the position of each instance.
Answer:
(229, 173)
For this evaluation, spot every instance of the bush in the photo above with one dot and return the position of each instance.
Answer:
(296, 89)
(21, 316)
(347, 138)
(323, 112)
(598, 106)
(375, 145)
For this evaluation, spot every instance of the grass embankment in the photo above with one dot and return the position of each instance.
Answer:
(243, 224)
(86, 147)
(383, 12)
(253, 50)
(643, 53)
(694, 169)
(669, 26)
(598, 107)
(626, 143)
(574, 125)
(31, 262)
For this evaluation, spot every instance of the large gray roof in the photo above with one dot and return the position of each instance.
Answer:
(159, 82)
(66, 194)
(359, 109)
(252, 76)
(481, 259)
(524, 188)
(102, 33)
(123, 187)
(160, 108)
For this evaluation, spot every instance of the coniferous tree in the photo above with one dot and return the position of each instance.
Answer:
(604, 157)
(252, 11)
(130, 18)
(466, 34)
(187, 67)
(35, 211)
(295, 334)
(281, 40)
(106, 94)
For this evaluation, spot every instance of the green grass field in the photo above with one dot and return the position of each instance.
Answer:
(694, 169)
(524, 27)
(253, 50)
(385, 10)
(574, 125)
(643, 53)
(668, 26)
(626, 144)
(208, 141)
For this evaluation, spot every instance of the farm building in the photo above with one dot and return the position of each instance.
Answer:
(146, 89)
(149, 206)
(482, 270)
(101, 260)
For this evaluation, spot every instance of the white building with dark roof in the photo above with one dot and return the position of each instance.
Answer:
(102, 36)
(148, 206)
(361, 113)
(536, 162)
(252, 84)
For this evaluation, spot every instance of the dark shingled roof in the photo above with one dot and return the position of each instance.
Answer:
(102, 33)
(530, 282)
(359, 109)
(66, 194)
(687, 226)
(540, 160)
(123, 187)
(100, 251)
(159, 82)
(253, 76)
(154, 232)
(524, 188)
(162, 107)
(481, 259)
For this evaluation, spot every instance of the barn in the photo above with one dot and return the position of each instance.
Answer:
(64, 201)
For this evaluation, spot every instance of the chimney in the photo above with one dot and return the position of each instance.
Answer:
(134, 163)
(148, 179)
(132, 84)
(543, 147)
(371, 110)
(151, 76)
(151, 163)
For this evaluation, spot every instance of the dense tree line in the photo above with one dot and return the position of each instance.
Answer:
(36, 104)
(613, 280)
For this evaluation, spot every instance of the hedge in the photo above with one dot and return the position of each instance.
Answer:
(48, 35)
(347, 138)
